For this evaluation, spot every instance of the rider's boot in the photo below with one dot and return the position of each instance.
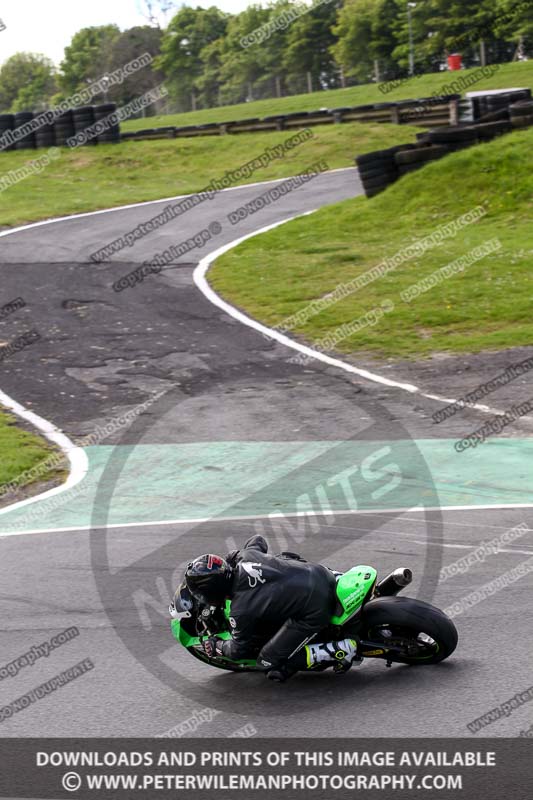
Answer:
(342, 654)
(281, 673)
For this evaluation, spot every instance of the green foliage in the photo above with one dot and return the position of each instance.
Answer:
(459, 24)
(515, 19)
(428, 85)
(208, 58)
(365, 34)
(128, 46)
(87, 57)
(27, 81)
(308, 46)
(188, 34)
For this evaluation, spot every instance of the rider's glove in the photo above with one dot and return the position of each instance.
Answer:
(232, 557)
(212, 647)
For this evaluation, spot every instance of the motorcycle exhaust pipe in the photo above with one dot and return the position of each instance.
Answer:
(394, 582)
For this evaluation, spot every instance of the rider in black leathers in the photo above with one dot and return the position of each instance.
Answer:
(281, 600)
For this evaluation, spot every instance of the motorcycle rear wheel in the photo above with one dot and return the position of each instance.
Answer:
(426, 633)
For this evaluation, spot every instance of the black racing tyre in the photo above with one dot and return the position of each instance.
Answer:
(456, 146)
(84, 118)
(45, 136)
(381, 178)
(64, 119)
(521, 110)
(45, 140)
(359, 109)
(496, 116)
(451, 134)
(104, 108)
(384, 172)
(7, 122)
(249, 121)
(523, 122)
(112, 134)
(422, 155)
(427, 633)
(64, 128)
(81, 121)
(87, 111)
(379, 183)
(491, 129)
(373, 192)
(22, 118)
(382, 155)
(407, 168)
(62, 139)
(499, 101)
(376, 164)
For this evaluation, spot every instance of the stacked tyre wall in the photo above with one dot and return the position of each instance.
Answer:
(424, 112)
(65, 127)
(380, 169)
(429, 111)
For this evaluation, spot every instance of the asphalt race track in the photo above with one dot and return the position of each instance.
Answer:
(235, 438)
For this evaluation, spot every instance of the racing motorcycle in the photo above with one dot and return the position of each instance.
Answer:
(395, 629)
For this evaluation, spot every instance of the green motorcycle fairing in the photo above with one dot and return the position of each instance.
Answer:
(354, 588)
(191, 642)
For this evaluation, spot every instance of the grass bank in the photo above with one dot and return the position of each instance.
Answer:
(91, 178)
(506, 75)
(22, 453)
(485, 306)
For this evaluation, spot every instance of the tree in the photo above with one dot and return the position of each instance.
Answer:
(87, 57)
(457, 25)
(514, 20)
(27, 81)
(427, 48)
(365, 35)
(128, 46)
(242, 67)
(309, 42)
(155, 11)
(208, 85)
(188, 33)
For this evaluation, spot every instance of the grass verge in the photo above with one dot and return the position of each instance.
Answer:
(91, 178)
(22, 453)
(508, 75)
(485, 307)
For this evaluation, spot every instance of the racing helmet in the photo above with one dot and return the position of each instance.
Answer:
(209, 579)
(183, 603)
